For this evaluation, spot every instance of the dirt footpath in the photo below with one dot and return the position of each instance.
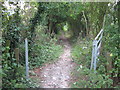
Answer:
(58, 74)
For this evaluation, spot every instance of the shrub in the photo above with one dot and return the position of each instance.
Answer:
(44, 50)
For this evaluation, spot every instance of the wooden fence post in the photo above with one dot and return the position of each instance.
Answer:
(17, 54)
(109, 63)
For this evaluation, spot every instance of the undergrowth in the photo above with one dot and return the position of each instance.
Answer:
(45, 50)
(81, 52)
(86, 78)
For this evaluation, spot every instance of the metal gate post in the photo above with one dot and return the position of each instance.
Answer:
(95, 49)
(26, 58)
(95, 54)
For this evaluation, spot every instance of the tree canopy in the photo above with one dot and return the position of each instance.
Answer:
(44, 23)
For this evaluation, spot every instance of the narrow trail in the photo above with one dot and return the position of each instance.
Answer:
(58, 74)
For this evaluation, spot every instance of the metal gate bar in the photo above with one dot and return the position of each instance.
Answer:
(96, 49)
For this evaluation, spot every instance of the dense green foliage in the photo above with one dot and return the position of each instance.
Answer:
(42, 24)
(88, 79)
(44, 51)
(112, 45)
(84, 55)
(41, 48)
(107, 73)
